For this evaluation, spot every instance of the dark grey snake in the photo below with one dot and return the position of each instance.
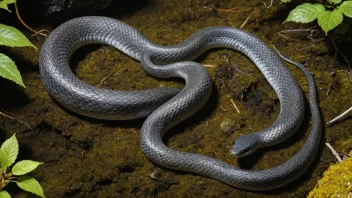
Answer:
(167, 107)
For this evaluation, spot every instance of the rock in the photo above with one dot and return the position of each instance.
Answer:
(227, 126)
(59, 10)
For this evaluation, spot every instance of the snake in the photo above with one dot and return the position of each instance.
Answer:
(165, 107)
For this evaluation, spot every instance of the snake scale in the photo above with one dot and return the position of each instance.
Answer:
(165, 107)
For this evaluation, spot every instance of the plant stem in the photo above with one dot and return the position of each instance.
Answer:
(23, 23)
(12, 118)
(340, 116)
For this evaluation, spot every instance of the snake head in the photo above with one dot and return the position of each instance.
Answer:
(245, 145)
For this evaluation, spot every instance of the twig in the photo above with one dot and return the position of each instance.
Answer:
(12, 118)
(20, 19)
(310, 46)
(40, 31)
(232, 10)
(233, 103)
(284, 36)
(240, 71)
(223, 108)
(340, 116)
(332, 82)
(236, 68)
(295, 30)
(249, 16)
(109, 75)
(271, 3)
(205, 65)
(334, 152)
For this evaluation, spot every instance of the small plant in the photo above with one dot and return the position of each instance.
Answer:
(10, 36)
(330, 14)
(8, 154)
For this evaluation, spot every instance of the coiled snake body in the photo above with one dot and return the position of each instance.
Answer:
(167, 107)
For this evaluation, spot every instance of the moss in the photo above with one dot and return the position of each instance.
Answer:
(336, 182)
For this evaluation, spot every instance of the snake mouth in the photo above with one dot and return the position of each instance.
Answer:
(240, 152)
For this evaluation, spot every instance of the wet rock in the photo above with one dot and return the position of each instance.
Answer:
(55, 6)
(57, 11)
(62, 9)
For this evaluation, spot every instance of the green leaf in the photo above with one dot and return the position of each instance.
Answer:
(305, 13)
(9, 70)
(3, 159)
(10, 149)
(328, 20)
(4, 194)
(3, 5)
(285, 1)
(11, 1)
(12, 37)
(346, 8)
(30, 184)
(24, 167)
(334, 1)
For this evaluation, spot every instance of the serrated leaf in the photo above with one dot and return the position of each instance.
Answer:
(4, 194)
(24, 167)
(305, 13)
(12, 37)
(328, 20)
(346, 8)
(8, 70)
(30, 184)
(10, 149)
(3, 5)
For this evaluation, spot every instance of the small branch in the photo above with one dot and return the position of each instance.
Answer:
(340, 116)
(20, 19)
(296, 30)
(12, 118)
(232, 10)
(236, 68)
(223, 108)
(310, 46)
(332, 82)
(233, 103)
(271, 3)
(284, 36)
(207, 65)
(334, 152)
(109, 75)
(41, 32)
(249, 16)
